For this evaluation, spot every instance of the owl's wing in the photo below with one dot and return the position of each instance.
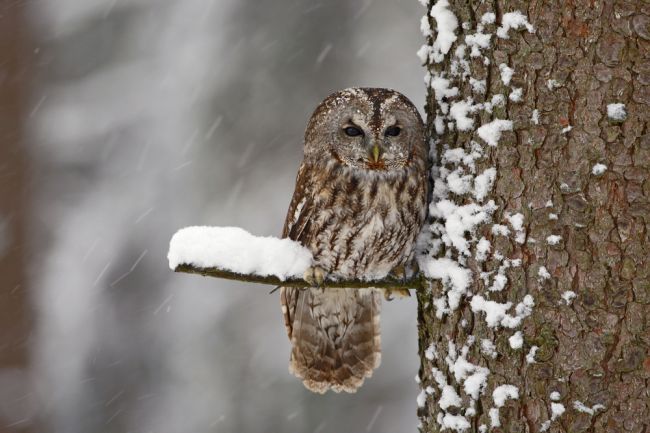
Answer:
(296, 228)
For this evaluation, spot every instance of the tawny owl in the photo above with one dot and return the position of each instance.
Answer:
(359, 203)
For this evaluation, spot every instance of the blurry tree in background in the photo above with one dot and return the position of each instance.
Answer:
(594, 351)
(15, 312)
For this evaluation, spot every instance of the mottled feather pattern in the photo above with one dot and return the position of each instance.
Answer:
(359, 223)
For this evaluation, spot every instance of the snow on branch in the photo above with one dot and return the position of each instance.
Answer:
(234, 254)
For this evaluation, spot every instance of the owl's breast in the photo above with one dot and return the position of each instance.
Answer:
(366, 231)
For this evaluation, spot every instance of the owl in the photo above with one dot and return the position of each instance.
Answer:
(359, 203)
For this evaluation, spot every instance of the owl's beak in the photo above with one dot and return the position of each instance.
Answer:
(376, 153)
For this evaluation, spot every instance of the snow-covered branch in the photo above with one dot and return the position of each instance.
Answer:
(234, 254)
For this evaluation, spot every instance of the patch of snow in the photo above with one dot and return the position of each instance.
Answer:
(482, 249)
(236, 250)
(459, 111)
(530, 357)
(454, 422)
(446, 24)
(568, 296)
(455, 278)
(543, 273)
(598, 169)
(425, 27)
(552, 216)
(567, 129)
(488, 348)
(535, 117)
(557, 409)
(441, 89)
(552, 84)
(496, 313)
(513, 20)
(555, 396)
(504, 392)
(516, 94)
(553, 239)
(430, 353)
(500, 229)
(581, 407)
(449, 398)
(483, 183)
(421, 398)
(478, 86)
(517, 340)
(616, 112)
(506, 73)
(491, 132)
(488, 18)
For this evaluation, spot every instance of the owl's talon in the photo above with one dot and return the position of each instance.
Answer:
(315, 276)
(399, 293)
(398, 272)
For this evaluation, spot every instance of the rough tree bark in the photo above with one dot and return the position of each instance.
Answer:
(594, 350)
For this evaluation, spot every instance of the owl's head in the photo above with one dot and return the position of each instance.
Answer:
(366, 129)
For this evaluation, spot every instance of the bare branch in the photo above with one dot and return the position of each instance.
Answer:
(417, 282)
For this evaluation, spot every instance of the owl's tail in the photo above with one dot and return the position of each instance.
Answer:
(336, 338)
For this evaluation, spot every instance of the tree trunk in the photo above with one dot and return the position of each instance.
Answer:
(585, 227)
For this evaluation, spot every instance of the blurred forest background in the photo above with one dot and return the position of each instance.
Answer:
(125, 120)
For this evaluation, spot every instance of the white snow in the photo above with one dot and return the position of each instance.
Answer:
(553, 239)
(449, 397)
(496, 313)
(455, 278)
(478, 86)
(421, 398)
(425, 27)
(446, 24)
(516, 341)
(482, 249)
(543, 273)
(555, 396)
(500, 229)
(552, 84)
(459, 111)
(491, 132)
(506, 73)
(552, 216)
(598, 169)
(504, 392)
(516, 94)
(488, 348)
(513, 20)
(616, 111)
(460, 220)
(483, 183)
(568, 296)
(535, 117)
(236, 250)
(488, 18)
(494, 417)
(430, 353)
(567, 129)
(477, 41)
(581, 407)
(454, 422)
(530, 356)
(557, 409)
(441, 89)
(475, 383)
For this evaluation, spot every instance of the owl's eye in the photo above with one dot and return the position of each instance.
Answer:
(352, 131)
(393, 131)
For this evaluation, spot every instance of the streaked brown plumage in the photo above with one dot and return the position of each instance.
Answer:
(359, 204)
